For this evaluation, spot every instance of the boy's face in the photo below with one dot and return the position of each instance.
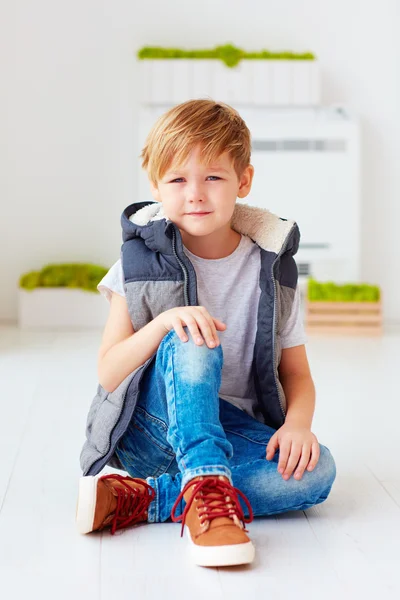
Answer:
(197, 187)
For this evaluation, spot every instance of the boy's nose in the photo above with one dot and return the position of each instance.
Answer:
(195, 192)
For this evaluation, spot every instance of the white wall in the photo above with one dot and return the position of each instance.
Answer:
(68, 104)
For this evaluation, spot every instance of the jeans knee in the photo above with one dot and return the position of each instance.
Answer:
(194, 361)
(326, 467)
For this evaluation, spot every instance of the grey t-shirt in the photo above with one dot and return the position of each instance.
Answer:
(229, 289)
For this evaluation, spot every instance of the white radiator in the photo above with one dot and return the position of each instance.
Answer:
(307, 168)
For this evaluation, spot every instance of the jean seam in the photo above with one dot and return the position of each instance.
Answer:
(156, 502)
(209, 467)
(240, 465)
(304, 506)
(246, 437)
(151, 417)
(154, 512)
(174, 388)
(168, 336)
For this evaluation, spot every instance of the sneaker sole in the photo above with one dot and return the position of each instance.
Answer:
(221, 556)
(86, 504)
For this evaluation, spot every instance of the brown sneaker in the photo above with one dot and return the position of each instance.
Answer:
(215, 522)
(112, 500)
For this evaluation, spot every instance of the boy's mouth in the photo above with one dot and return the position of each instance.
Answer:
(199, 214)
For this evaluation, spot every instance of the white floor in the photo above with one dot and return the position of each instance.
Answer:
(346, 547)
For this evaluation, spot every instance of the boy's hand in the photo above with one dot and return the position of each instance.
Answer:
(196, 318)
(295, 442)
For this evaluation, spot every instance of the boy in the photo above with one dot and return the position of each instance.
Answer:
(202, 368)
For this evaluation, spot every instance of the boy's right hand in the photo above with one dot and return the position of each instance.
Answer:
(194, 317)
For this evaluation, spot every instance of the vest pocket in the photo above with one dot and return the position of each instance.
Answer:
(147, 299)
(104, 414)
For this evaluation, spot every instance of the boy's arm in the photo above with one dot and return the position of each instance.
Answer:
(122, 350)
(297, 383)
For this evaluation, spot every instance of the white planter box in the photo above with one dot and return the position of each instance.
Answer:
(251, 82)
(61, 308)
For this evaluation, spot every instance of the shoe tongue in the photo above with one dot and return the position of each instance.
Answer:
(217, 521)
(113, 496)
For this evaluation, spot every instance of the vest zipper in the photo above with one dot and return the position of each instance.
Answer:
(274, 321)
(185, 274)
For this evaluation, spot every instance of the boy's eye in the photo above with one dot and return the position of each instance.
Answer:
(179, 179)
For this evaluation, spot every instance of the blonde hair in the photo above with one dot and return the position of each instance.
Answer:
(216, 126)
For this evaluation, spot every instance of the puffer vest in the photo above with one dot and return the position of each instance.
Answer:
(158, 276)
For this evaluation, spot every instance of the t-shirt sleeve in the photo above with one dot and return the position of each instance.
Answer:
(293, 334)
(112, 281)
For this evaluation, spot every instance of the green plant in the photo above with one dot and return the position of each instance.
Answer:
(229, 54)
(70, 275)
(350, 292)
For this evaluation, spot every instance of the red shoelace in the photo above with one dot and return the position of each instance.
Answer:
(131, 504)
(208, 489)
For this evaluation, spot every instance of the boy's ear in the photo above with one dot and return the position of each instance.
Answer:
(246, 181)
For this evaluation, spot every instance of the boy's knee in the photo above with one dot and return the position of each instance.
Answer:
(195, 360)
(326, 465)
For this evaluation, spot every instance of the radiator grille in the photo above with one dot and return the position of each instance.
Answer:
(299, 145)
(304, 268)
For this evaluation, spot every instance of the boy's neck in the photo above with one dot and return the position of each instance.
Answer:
(218, 244)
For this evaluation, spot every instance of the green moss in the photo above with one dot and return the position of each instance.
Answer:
(331, 292)
(71, 275)
(229, 54)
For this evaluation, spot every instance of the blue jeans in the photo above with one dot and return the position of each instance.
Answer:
(181, 429)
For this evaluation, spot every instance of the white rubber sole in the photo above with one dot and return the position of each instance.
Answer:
(221, 556)
(86, 504)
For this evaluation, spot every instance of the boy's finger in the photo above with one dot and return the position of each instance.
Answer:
(272, 447)
(283, 457)
(314, 457)
(305, 457)
(292, 462)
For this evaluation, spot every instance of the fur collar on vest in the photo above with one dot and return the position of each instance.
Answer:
(265, 228)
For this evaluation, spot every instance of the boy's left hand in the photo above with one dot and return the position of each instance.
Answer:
(295, 442)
